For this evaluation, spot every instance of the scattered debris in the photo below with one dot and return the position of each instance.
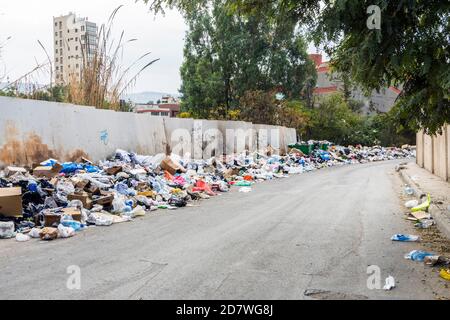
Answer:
(418, 255)
(56, 200)
(390, 283)
(405, 238)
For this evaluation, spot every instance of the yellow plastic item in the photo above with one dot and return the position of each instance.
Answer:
(445, 274)
(424, 206)
(147, 194)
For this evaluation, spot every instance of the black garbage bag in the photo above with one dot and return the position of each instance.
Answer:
(177, 202)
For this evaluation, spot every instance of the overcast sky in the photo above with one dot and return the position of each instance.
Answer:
(28, 21)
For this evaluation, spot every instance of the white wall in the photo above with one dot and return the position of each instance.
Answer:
(32, 131)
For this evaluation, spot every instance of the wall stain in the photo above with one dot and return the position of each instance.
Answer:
(76, 155)
(30, 151)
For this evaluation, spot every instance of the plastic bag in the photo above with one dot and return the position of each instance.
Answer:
(405, 238)
(75, 225)
(139, 211)
(7, 230)
(65, 232)
(411, 204)
(35, 233)
(417, 255)
(20, 237)
(390, 283)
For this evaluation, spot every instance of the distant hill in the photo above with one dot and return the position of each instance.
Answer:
(144, 97)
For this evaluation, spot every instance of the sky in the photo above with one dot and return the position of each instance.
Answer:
(27, 21)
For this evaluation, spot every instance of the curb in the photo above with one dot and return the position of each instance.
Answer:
(442, 221)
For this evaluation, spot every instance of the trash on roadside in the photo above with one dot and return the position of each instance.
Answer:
(445, 274)
(425, 223)
(433, 261)
(405, 238)
(7, 230)
(55, 196)
(390, 283)
(423, 206)
(20, 237)
(420, 215)
(49, 234)
(411, 204)
(35, 233)
(11, 202)
(409, 191)
(65, 232)
(418, 255)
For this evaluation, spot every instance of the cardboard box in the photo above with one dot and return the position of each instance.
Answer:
(9, 171)
(83, 197)
(104, 200)
(82, 184)
(92, 189)
(74, 212)
(113, 170)
(169, 165)
(11, 202)
(47, 172)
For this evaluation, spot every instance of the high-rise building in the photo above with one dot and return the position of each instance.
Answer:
(75, 42)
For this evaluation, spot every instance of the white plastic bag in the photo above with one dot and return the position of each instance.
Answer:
(20, 237)
(65, 232)
(35, 233)
(411, 204)
(7, 230)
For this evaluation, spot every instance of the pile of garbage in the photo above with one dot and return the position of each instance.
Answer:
(57, 200)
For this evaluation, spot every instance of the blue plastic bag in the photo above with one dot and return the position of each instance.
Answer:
(417, 255)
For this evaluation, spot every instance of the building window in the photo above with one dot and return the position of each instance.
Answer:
(57, 68)
(56, 24)
(60, 34)
(77, 66)
(57, 59)
(60, 43)
(56, 42)
(82, 28)
(56, 33)
(76, 48)
(60, 24)
(56, 50)
(76, 30)
(76, 39)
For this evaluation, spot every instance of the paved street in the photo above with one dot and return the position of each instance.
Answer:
(316, 231)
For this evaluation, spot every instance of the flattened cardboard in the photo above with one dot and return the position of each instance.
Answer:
(11, 202)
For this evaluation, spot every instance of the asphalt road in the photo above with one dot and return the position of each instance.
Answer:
(315, 233)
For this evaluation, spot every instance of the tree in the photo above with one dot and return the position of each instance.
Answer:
(227, 55)
(410, 50)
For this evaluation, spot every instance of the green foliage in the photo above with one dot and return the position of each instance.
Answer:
(55, 94)
(334, 120)
(411, 51)
(226, 56)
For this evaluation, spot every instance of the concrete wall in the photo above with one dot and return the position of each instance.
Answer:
(433, 153)
(32, 131)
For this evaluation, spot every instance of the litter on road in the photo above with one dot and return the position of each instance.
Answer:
(58, 200)
(405, 238)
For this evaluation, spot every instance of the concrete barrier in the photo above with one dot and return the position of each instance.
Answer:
(32, 131)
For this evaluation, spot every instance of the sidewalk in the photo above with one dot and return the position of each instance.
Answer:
(423, 182)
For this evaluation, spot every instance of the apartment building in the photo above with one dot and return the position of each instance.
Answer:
(75, 42)
(329, 82)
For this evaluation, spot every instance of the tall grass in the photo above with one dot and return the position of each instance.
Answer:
(103, 80)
